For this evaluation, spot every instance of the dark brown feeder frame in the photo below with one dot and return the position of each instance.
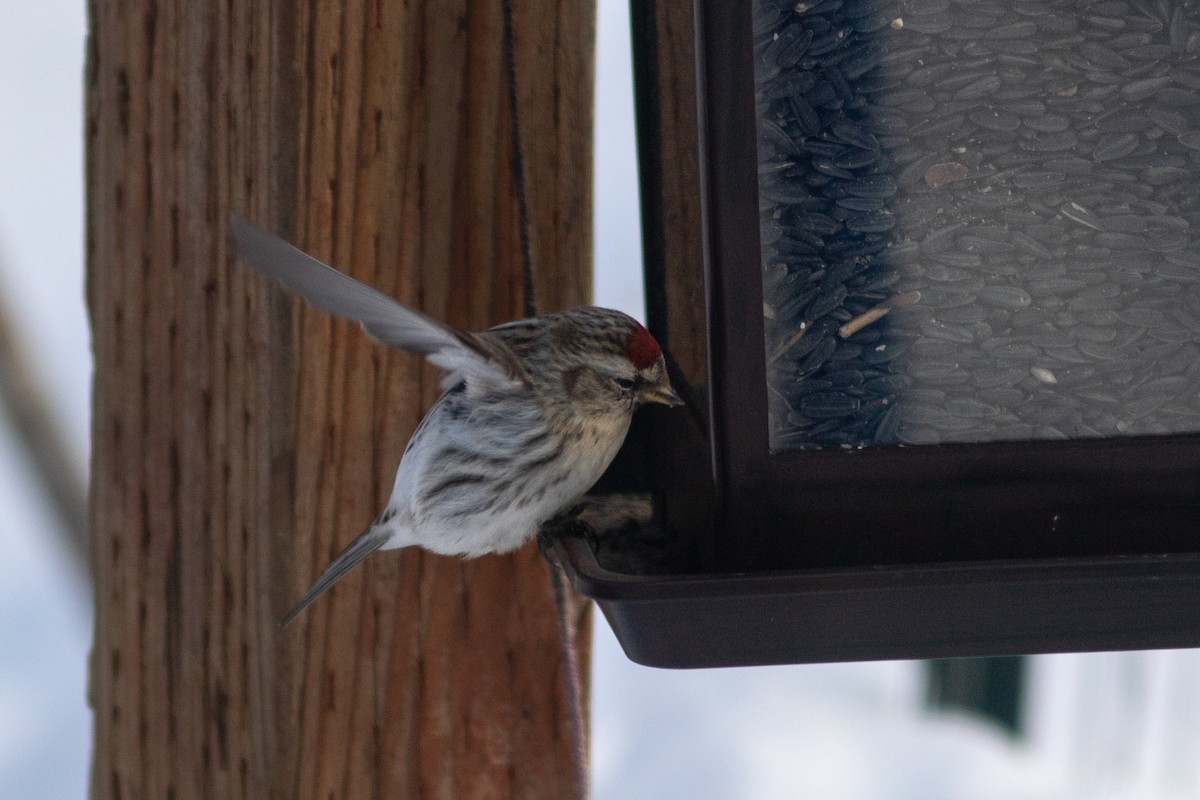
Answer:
(874, 553)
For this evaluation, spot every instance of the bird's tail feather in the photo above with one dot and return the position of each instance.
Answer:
(363, 545)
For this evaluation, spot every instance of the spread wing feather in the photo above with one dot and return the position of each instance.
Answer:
(477, 359)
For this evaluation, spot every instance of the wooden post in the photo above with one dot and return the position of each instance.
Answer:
(240, 438)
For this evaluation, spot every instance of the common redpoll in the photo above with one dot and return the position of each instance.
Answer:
(533, 411)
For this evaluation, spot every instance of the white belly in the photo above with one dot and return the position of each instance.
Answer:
(468, 515)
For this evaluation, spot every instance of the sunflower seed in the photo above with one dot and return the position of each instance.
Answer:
(1137, 90)
(1010, 297)
(1114, 145)
(1190, 140)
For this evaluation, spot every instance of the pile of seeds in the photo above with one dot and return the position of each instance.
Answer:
(979, 218)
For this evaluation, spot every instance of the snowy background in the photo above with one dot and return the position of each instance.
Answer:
(1118, 725)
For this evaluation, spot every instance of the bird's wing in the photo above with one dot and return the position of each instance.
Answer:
(466, 357)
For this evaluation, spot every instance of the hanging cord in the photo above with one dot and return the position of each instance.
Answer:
(518, 161)
(562, 605)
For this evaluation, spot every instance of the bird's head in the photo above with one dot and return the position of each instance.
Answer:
(614, 364)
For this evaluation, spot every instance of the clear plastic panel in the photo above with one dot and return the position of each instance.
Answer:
(979, 219)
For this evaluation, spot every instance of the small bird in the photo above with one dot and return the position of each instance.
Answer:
(532, 411)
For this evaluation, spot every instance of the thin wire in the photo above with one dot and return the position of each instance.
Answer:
(566, 630)
(518, 161)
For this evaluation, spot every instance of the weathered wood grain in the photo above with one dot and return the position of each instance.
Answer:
(240, 439)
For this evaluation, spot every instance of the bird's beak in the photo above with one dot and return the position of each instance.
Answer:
(663, 393)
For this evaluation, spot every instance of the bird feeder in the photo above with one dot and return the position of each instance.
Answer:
(942, 351)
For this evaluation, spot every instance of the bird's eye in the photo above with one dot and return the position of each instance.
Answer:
(626, 384)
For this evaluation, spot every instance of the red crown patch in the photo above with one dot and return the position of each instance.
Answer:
(640, 348)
